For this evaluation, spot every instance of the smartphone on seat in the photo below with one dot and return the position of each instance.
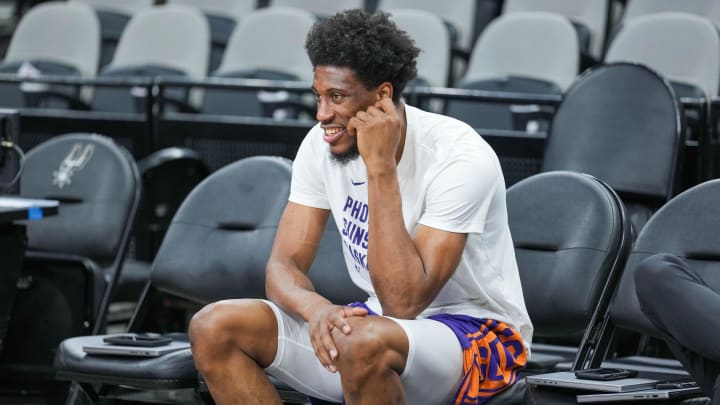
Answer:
(605, 373)
(136, 339)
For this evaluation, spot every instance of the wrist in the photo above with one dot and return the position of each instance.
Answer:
(313, 306)
(382, 170)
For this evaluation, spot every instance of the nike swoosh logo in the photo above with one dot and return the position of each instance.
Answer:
(357, 183)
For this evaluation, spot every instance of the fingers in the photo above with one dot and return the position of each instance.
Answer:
(355, 311)
(324, 346)
(364, 116)
(352, 126)
(321, 333)
(374, 111)
(347, 312)
(386, 104)
(328, 352)
(381, 108)
(340, 323)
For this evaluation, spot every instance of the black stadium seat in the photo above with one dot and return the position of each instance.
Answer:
(73, 260)
(215, 248)
(685, 226)
(620, 123)
(571, 227)
(168, 175)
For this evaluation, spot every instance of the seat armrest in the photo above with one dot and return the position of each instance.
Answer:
(90, 267)
(181, 105)
(35, 97)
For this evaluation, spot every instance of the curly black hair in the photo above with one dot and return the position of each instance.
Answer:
(371, 45)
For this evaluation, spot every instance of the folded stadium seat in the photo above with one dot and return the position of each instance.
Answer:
(222, 16)
(689, 57)
(529, 52)
(464, 19)
(114, 16)
(571, 227)
(216, 248)
(162, 41)
(566, 226)
(321, 8)
(283, 30)
(589, 17)
(59, 39)
(685, 226)
(168, 175)
(621, 123)
(705, 8)
(73, 259)
(431, 36)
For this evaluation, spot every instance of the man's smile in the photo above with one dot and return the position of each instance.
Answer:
(331, 134)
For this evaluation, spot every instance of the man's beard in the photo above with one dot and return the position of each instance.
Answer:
(347, 157)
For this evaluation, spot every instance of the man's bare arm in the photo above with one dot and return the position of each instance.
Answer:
(293, 252)
(407, 271)
(287, 284)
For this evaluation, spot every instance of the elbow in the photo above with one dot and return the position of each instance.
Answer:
(404, 304)
(402, 310)
(270, 284)
(269, 292)
(399, 314)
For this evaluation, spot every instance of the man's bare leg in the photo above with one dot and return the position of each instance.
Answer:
(371, 360)
(232, 342)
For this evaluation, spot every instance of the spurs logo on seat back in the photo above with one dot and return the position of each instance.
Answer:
(75, 160)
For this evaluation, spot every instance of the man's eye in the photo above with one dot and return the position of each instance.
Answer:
(336, 97)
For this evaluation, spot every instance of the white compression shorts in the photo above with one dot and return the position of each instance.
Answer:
(432, 373)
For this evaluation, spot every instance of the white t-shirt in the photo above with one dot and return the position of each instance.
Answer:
(450, 179)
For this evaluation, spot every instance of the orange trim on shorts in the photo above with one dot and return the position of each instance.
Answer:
(491, 363)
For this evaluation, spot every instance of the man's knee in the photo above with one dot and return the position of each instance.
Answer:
(206, 332)
(370, 345)
(223, 326)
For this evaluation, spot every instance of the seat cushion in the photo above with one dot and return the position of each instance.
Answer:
(171, 370)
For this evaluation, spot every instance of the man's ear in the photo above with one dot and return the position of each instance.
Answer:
(385, 90)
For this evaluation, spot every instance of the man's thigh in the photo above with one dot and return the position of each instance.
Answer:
(434, 366)
(295, 362)
(431, 374)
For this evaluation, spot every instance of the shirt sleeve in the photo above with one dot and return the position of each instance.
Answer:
(459, 197)
(308, 183)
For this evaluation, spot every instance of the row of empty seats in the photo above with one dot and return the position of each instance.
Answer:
(538, 53)
(168, 41)
(526, 52)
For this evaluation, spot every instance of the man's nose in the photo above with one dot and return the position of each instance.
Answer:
(324, 112)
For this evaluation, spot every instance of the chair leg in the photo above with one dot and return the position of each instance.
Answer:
(81, 394)
(205, 398)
